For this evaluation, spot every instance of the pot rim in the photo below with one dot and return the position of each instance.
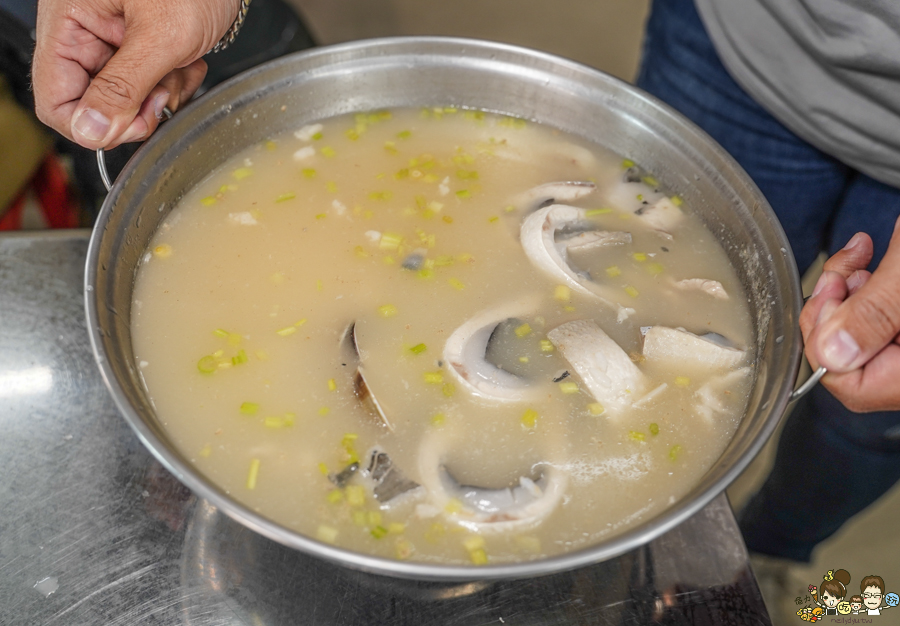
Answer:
(186, 473)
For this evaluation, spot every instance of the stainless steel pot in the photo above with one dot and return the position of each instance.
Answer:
(416, 72)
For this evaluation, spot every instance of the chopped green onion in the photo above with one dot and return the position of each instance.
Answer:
(208, 201)
(631, 291)
(675, 452)
(453, 506)
(448, 389)
(478, 557)
(438, 419)
(273, 422)
(529, 419)
(249, 408)
(682, 381)
(639, 257)
(327, 534)
(390, 241)
(381, 195)
(652, 182)
(568, 387)
(323, 469)
(418, 348)
(239, 358)
(286, 196)
(546, 345)
(317, 136)
(626, 163)
(284, 332)
(636, 435)
(596, 408)
(593, 212)
(323, 411)
(163, 250)
(242, 173)
(356, 495)
(253, 474)
(378, 532)
(328, 151)
(676, 200)
(523, 330)
(434, 378)
(332, 385)
(334, 496)
(562, 293)
(456, 284)
(613, 270)
(404, 134)
(387, 310)
(654, 428)
(207, 365)
(463, 193)
(655, 269)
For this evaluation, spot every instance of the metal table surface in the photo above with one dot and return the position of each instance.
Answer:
(94, 531)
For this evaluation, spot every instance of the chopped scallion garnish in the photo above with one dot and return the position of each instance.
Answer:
(253, 474)
(418, 348)
(250, 408)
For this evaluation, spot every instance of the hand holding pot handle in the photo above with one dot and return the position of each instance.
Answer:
(104, 69)
(851, 326)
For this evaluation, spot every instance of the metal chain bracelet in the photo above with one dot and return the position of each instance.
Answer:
(232, 32)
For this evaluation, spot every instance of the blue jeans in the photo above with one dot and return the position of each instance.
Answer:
(831, 463)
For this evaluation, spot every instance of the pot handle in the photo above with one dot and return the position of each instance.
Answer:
(101, 156)
(811, 382)
(806, 387)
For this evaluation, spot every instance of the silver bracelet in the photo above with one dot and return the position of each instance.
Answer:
(232, 32)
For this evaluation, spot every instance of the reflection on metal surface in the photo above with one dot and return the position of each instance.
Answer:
(25, 382)
(88, 513)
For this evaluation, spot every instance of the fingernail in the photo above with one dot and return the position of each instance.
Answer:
(91, 125)
(854, 281)
(820, 284)
(159, 103)
(840, 350)
(854, 241)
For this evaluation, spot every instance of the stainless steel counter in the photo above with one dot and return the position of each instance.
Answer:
(94, 531)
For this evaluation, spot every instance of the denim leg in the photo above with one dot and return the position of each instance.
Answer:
(830, 463)
(803, 184)
(868, 206)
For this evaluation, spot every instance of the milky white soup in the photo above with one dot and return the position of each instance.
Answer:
(381, 332)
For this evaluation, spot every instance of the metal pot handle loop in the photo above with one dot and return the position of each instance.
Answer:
(101, 157)
(806, 387)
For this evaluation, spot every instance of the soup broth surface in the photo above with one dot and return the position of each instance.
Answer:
(356, 248)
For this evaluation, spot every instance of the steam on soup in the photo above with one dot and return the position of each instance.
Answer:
(442, 335)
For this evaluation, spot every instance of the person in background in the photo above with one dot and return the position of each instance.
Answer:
(805, 96)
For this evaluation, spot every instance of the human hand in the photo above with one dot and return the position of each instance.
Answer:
(104, 70)
(851, 326)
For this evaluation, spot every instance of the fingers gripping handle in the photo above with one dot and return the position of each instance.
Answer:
(101, 157)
